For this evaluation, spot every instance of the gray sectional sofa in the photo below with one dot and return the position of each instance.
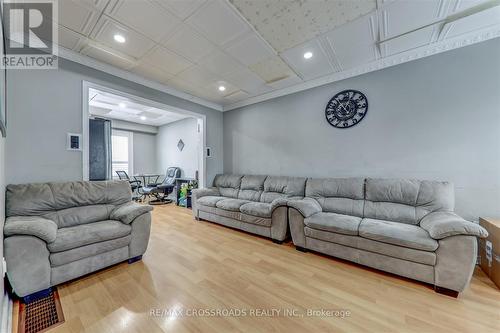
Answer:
(256, 204)
(405, 227)
(55, 232)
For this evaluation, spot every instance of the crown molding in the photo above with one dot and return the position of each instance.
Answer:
(410, 55)
(99, 65)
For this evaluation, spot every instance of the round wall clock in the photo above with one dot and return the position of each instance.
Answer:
(346, 109)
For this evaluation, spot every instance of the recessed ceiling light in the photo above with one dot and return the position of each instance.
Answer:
(119, 38)
(143, 118)
(222, 88)
(122, 105)
(308, 55)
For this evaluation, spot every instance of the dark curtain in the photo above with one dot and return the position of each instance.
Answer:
(99, 149)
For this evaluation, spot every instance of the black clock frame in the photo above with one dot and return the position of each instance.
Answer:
(340, 93)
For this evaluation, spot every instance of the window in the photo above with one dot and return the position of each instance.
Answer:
(121, 152)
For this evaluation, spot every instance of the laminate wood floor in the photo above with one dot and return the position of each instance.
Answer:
(202, 277)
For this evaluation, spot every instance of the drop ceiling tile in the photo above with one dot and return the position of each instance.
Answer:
(287, 82)
(220, 63)
(68, 38)
(107, 56)
(272, 69)
(77, 16)
(355, 55)
(166, 60)
(151, 72)
(190, 44)
(197, 76)
(409, 41)
(136, 45)
(217, 22)
(182, 85)
(285, 23)
(460, 5)
(181, 8)
(318, 65)
(480, 20)
(403, 16)
(213, 88)
(250, 49)
(236, 97)
(246, 80)
(145, 16)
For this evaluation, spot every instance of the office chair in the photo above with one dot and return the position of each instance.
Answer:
(162, 190)
(135, 185)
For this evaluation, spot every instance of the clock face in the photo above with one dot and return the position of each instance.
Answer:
(346, 109)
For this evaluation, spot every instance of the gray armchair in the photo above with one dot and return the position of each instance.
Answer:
(55, 232)
(162, 190)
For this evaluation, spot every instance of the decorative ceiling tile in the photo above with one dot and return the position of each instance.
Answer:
(189, 43)
(218, 22)
(154, 21)
(152, 72)
(166, 60)
(250, 49)
(272, 69)
(181, 8)
(286, 23)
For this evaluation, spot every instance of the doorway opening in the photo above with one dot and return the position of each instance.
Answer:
(141, 137)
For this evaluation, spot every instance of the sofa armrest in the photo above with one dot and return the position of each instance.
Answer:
(440, 225)
(36, 226)
(278, 202)
(129, 212)
(306, 206)
(204, 192)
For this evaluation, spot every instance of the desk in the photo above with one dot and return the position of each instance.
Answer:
(178, 184)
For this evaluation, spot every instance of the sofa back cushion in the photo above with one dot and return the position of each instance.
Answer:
(251, 187)
(41, 198)
(70, 217)
(338, 195)
(228, 185)
(282, 187)
(406, 200)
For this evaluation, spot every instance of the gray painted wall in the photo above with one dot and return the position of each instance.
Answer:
(2, 217)
(145, 159)
(434, 118)
(168, 155)
(36, 145)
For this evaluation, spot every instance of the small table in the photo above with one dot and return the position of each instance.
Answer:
(147, 179)
(178, 184)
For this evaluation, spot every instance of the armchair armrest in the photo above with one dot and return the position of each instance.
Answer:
(203, 192)
(306, 206)
(129, 212)
(36, 226)
(440, 225)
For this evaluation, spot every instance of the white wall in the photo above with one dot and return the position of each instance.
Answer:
(434, 118)
(44, 105)
(169, 155)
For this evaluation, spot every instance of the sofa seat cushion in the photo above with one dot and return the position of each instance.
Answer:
(85, 234)
(231, 204)
(400, 252)
(396, 233)
(342, 224)
(65, 257)
(209, 200)
(260, 209)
